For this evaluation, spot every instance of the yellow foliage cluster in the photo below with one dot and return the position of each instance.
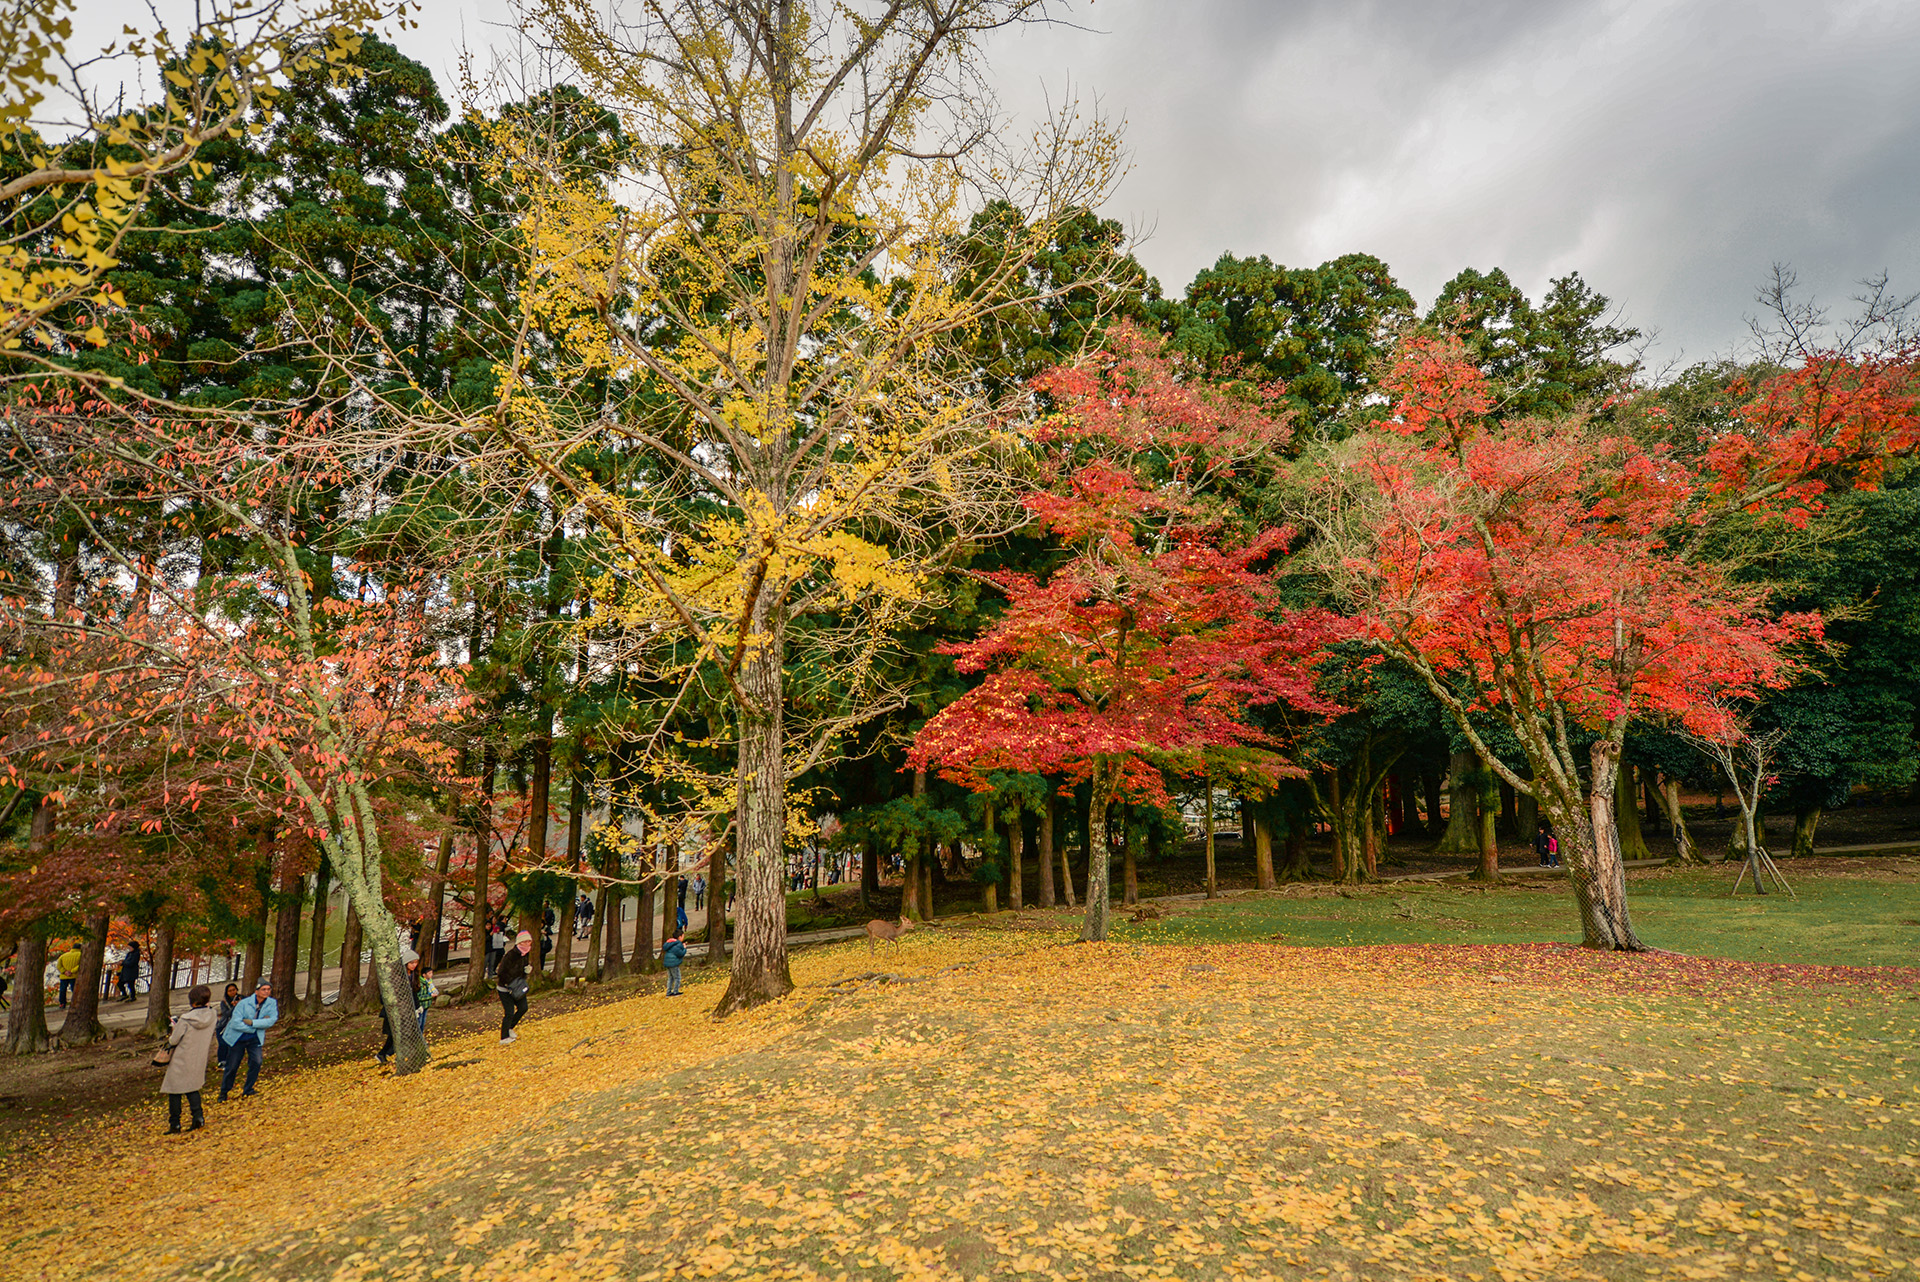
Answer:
(69, 205)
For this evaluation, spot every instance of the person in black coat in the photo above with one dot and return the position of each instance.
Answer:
(512, 985)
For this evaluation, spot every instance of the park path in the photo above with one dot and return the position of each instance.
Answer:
(127, 1016)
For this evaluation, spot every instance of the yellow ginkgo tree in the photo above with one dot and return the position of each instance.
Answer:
(762, 321)
(77, 164)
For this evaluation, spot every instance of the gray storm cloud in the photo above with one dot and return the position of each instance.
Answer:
(1669, 151)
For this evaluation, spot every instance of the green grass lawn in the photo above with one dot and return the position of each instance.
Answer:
(1862, 912)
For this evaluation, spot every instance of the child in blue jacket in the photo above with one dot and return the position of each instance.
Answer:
(672, 953)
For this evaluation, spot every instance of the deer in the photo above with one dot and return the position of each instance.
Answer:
(888, 930)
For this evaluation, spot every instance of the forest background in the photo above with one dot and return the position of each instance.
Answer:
(472, 508)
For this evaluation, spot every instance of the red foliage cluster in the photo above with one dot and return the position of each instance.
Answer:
(1146, 647)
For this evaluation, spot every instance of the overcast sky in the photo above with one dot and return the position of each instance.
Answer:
(1669, 150)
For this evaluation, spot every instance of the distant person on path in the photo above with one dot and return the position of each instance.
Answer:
(245, 1036)
(227, 1002)
(191, 1039)
(130, 971)
(1547, 845)
(511, 983)
(699, 892)
(69, 964)
(672, 954)
(583, 917)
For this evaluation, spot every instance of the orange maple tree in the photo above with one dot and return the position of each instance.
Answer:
(1556, 575)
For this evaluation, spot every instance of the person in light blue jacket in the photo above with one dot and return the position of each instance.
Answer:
(245, 1035)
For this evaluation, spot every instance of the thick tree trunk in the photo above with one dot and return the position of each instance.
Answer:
(255, 959)
(1486, 831)
(1509, 808)
(436, 899)
(1626, 817)
(1262, 854)
(613, 957)
(1683, 844)
(350, 949)
(1752, 823)
(1527, 814)
(910, 888)
(539, 816)
(1593, 864)
(869, 873)
(717, 906)
(928, 862)
(641, 963)
(1131, 875)
(160, 991)
(1093, 926)
(1016, 864)
(286, 937)
(603, 903)
(1804, 825)
(760, 971)
(1430, 783)
(481, 914)
(317, 941)
(1050, 837)
(1213, 888)
(1296, 866)
(83, 1011)
(27, 1017)
(1460, 838)
(1371, 832)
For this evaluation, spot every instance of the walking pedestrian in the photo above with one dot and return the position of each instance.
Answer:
(245, 1036)
(680, 919)
(1541, 839)
(412, 960)
(699, 892)
(583, 916)
(130, 971)
(511, 983)
(69, 965)
(672, 954)
(191, 1038)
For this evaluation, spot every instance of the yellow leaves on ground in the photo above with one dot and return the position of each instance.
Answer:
(1006, 1105)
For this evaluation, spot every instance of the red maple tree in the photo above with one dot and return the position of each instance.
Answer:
(1558, 574)
(239, 693)
(1146, 645)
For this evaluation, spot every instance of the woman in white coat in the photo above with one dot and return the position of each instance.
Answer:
(191, 1041)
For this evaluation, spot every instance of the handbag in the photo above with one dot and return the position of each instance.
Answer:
(518, 988)
(163, 1057)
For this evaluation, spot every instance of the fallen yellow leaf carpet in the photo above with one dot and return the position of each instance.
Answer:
(1034, 1108)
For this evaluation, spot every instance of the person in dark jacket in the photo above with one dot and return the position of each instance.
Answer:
(672, 954)
(510, 981)
(1545, 846)
(191, 1038)
(227, 1003)
(130, 971)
